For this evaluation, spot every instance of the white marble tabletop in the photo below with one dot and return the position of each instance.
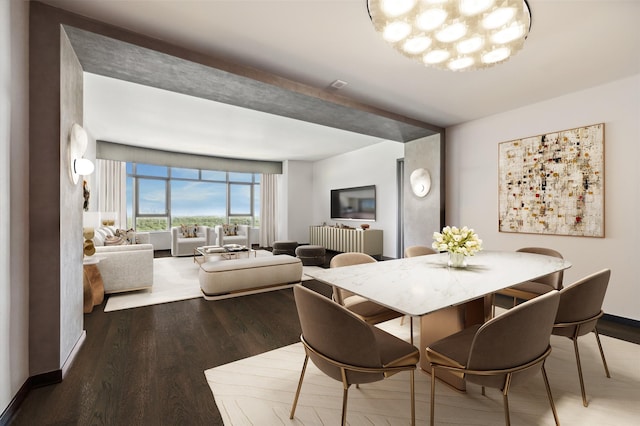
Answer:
(423, 284)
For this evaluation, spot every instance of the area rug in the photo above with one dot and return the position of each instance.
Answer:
(260, 391)
(174, 279)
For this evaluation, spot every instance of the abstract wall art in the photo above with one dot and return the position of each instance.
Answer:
(553, 183)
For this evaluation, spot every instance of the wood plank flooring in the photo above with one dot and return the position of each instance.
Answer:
(145, 366)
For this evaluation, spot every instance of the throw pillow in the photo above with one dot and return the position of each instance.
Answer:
(100, 234)
(229, 230)
(115, 241)
(121, 237)
(189, 231)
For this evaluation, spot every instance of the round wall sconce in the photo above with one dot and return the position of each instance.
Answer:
(77, 146)
(420, 180)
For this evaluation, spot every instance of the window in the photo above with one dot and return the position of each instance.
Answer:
(159, 197)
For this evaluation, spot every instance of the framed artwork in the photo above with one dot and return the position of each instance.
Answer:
(553, 183)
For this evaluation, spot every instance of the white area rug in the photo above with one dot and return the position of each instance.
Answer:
(174, 279)
(260, 391)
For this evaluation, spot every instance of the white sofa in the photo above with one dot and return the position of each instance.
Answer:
(216, 236)
(185, 246)
(228, 278)
(124, 267)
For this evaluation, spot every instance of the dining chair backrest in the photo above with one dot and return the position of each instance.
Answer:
(512, 339)
(413, 251)
(347, 259)
(581, 301)
(333, 331)
(554, 279)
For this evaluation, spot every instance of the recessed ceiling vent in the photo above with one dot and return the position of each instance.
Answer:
(338, 84)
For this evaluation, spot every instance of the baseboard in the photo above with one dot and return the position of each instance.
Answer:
(15, 403)
(621, 320)
(74, 352)
(44, 379)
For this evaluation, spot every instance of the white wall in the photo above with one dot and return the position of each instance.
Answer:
(374, 165)
(14, 193)
(472, 152)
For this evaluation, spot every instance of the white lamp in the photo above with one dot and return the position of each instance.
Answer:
(453, 35)
(77, 146)
(420, 180)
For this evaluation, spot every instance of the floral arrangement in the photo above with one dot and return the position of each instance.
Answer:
(455, 240)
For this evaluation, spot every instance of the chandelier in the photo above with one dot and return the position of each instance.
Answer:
(453, 35)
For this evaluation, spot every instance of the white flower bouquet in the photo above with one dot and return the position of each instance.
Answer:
(455, 240)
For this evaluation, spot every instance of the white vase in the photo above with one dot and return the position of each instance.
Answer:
(457, 260)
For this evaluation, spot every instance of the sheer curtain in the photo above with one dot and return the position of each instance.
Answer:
(268, 209)
(112, 189)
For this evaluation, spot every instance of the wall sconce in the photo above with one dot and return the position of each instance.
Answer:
(77, 147)
(420, 180)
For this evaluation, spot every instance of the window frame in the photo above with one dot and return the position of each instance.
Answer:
(253, 184)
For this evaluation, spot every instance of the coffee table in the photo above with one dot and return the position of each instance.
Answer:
(231, 251)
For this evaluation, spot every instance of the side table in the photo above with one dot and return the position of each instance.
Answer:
(93, 286)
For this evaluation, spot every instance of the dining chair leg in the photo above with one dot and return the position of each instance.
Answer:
(295, 399)
(604, 361)
(345, 397)
(412, 387)
(584, 394)
(505, 399)
(433, 395)
(505, 402)
(553, 406)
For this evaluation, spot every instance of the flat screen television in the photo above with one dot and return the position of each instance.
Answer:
(357, 203)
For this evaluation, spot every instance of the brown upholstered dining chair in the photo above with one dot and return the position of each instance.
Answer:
(506, 350)
(413, 251)
(368, 311)
(578, 313)
(348, 349)
(530, 289)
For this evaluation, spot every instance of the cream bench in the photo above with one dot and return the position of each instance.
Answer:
(228, 278)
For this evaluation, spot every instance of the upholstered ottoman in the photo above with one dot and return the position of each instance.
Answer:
(285, 247)
(228, 278)
(311, 255)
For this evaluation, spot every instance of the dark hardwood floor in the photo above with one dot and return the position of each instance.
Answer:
(145, 366)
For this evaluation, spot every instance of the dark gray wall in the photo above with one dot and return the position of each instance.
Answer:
(55, 204)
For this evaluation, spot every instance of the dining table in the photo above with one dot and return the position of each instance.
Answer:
(446, 299)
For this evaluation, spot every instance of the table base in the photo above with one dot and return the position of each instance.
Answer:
(447, 321)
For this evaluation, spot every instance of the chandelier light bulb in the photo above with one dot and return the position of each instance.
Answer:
(498, 18)
(470, 45)
(497, 55)
(473, 7)
(436, 57)
(394, 8)
(417, 45)
(396, 31)
(453, 34)
(509, 34)
(461, 63)
(431, 19)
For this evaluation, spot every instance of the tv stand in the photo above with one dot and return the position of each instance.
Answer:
(347, 240)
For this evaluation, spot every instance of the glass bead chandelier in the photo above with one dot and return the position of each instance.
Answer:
(455, 35)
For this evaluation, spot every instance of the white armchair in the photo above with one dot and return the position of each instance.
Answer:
(182, 245)
(240, 235)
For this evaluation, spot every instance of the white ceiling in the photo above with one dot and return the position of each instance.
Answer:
(573, 45)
